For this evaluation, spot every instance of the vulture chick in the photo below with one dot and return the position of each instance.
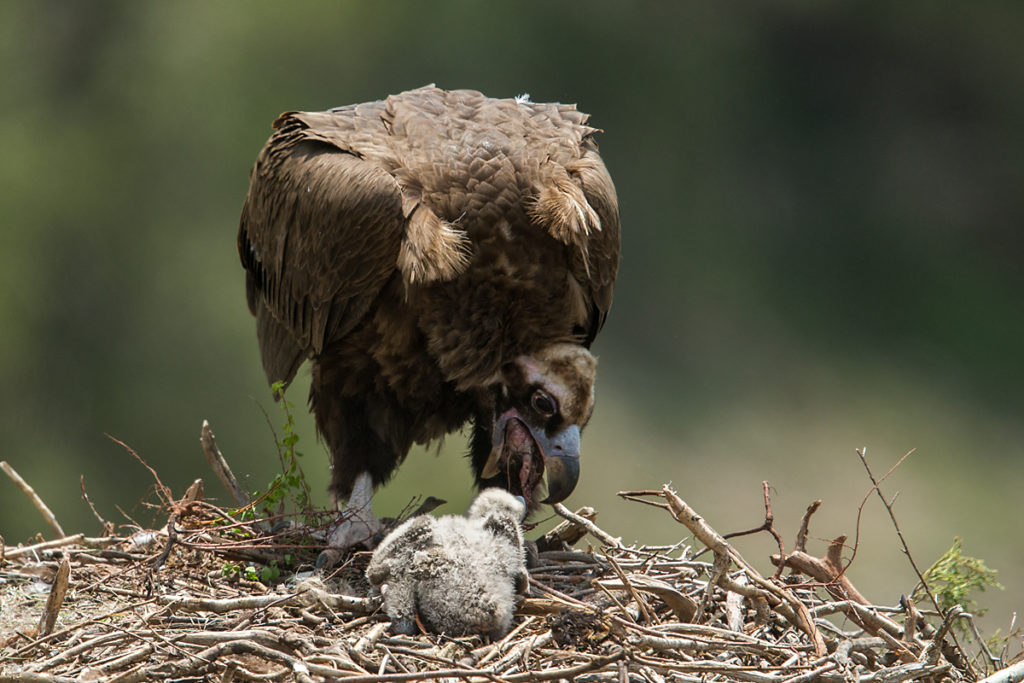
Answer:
(457, 575)
(442, 258)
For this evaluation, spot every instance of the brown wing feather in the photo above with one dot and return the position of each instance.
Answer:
(602, 248)
(319, 236)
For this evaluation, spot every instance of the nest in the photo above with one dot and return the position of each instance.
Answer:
(184, 603)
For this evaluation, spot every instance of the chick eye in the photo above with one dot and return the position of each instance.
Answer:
(544, 404)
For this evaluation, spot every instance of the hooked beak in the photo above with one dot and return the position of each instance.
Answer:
(559, 457)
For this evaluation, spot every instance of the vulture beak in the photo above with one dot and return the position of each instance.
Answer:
(561, 455)
(515, 443)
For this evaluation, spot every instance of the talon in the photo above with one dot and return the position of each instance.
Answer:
(328, 559)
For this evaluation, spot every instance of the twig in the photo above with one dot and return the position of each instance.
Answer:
(220, 466)
(801, 535)
(1011, 674)
(56, 598)
(63, 632)
(768, 525)
(910, 623)
(827, 570)
(876, 487)
(683, 606)
(429, 504)
(645, 610)
(566, 533)
(172, 536)
(299, 667)
(45, 545)
(592, 528)
(136, 655)
(163, 491)
(340, 602)
(934, 648)
(30, 677)
(639, 497)
(794, 611)
(108, 527)
(734, 607)
(72, 652)
(34, 497)
(813, 674)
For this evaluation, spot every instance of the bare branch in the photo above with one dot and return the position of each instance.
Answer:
(220, 466)
(50, 518)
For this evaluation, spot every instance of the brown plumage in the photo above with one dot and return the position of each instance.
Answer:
(442, 257)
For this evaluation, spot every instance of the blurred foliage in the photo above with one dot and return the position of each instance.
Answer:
(822, 217)
(955, 577)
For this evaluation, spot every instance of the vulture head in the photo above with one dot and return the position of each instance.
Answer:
(529, 444)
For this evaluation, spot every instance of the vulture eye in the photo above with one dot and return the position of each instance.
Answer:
(543, 403)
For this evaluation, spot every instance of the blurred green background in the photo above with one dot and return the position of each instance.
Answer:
(822, 209)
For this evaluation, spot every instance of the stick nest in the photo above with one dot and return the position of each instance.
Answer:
(178, 603)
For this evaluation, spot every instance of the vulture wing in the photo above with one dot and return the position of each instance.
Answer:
(319, 236)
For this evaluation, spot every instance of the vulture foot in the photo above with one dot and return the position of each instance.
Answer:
(356, 524)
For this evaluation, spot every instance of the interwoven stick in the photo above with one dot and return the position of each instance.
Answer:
(783, 600)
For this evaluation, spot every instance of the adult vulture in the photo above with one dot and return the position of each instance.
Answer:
(442, 258)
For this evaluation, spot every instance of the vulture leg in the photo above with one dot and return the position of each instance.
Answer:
(357, 523)
(350, 421)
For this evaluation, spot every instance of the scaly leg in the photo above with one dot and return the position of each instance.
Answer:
(357, 523)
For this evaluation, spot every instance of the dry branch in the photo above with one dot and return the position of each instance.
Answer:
(1011, 674)
(13, 553)
(221, 468)
(56, 598)
(566, 533)
(828, 570)
(50, 518)
(304, 597)
(780, 598)
(592, 529)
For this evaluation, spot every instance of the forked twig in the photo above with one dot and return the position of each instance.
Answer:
(768, 525)
(876, 487)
